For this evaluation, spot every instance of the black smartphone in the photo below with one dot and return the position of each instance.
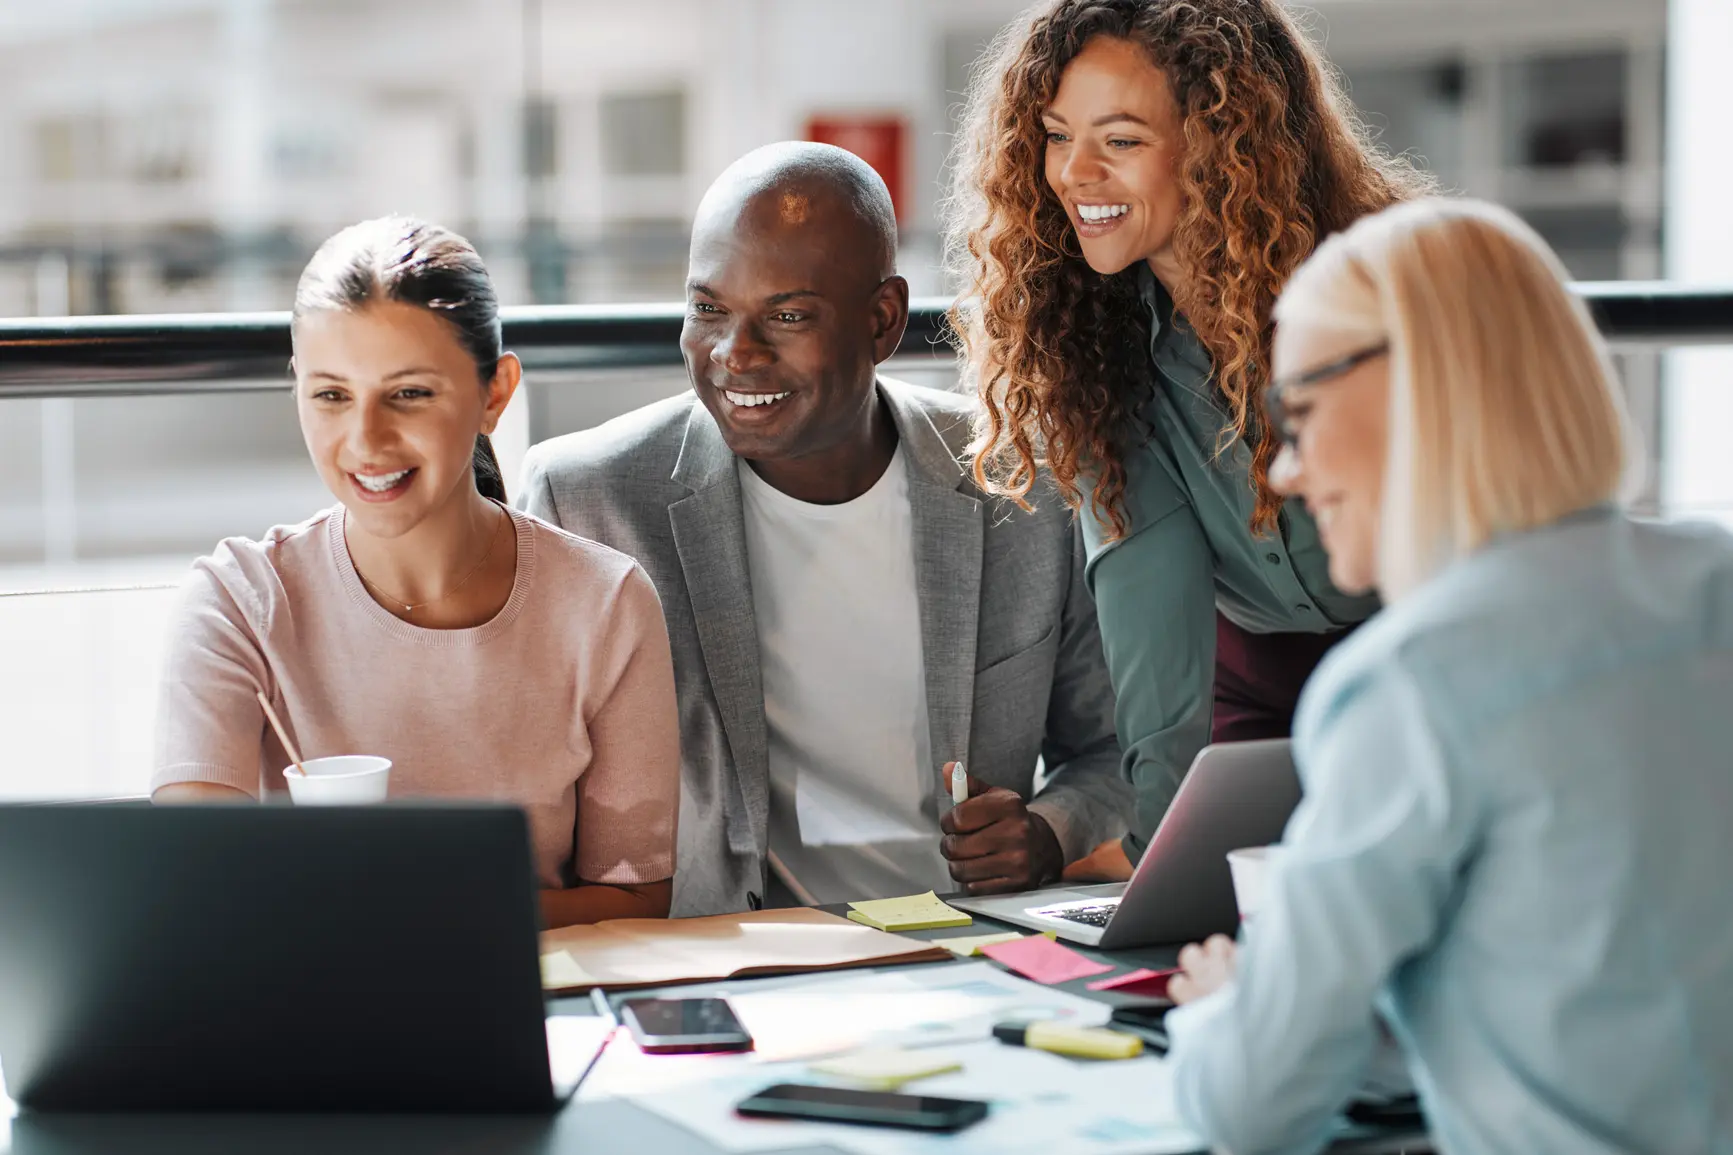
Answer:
(684, 1026)
(1147, 1020)
(872, 1108)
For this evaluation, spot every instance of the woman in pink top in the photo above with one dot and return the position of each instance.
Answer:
(487, 654)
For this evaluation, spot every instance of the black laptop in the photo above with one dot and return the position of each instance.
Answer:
(271, 958)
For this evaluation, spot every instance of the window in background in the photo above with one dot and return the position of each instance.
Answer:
(163, 146)
(644, 134)
(71, 147)
(541, 152)
(1565, 111)
(1568, 139)
(643, 200)
(545, 250)
(411, 163)
(1419, 111)
(1699, 469)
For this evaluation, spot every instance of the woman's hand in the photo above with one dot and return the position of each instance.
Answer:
(1203, 969)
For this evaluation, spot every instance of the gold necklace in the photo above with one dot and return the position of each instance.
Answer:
(473, 570)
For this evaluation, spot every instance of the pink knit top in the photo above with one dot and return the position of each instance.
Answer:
(563, 703)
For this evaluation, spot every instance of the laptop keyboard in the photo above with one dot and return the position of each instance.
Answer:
(1097, 915)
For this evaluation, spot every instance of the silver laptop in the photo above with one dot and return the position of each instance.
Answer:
(1237, 794)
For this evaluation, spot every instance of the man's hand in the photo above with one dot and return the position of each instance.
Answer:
(994, 843)
(1203, 969)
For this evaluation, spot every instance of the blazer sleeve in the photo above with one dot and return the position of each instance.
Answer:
(1085, 799)
(535, 494)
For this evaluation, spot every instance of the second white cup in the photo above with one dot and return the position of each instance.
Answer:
(1249, 866)
(343, 780)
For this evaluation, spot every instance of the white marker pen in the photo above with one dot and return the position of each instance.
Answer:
(959, 784)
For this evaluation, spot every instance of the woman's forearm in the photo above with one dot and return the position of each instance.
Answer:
(594, 902)
(1106, 863)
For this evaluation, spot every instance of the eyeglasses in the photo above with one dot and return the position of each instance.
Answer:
(1281, 420)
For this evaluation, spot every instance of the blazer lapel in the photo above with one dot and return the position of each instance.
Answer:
(710, 537)
(948, 534)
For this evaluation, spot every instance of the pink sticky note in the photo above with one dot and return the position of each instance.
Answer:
(1138, 982)
(1040, 958)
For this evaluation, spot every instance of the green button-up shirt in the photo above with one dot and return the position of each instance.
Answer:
(1188, 550)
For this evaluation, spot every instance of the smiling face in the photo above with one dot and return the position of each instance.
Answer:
(786, 318)
(1114, 141)
(1341, 438)
(390, 404)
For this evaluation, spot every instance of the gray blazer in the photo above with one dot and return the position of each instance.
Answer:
(1013, 659)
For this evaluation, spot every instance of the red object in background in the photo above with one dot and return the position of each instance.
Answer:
(878, 140)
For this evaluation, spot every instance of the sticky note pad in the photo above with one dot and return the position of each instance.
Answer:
(1138, 982)
(971, 944)
(885, 1069)
(1040, 958)
(915, 912)
(560, 970)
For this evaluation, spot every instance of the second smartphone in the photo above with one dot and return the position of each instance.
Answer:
(684, 1026)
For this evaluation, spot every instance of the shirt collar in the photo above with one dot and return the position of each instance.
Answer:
(1156, 300)
(1173, 345)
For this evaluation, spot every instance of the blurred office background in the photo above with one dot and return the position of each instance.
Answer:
(188, 155)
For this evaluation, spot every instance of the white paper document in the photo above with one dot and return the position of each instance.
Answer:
(7, 1110)
(1042, 1104)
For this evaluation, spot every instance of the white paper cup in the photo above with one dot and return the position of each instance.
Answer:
(345, 780)
(1249, 867)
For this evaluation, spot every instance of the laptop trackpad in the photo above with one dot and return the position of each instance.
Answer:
(1041, 899)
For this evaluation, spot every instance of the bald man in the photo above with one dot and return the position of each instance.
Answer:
(849, 614)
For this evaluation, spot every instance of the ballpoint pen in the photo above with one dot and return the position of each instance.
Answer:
(959, 784)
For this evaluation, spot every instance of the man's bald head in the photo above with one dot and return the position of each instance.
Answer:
(792, 301)
(800, 186)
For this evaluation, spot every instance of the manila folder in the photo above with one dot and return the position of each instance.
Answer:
(632, 952)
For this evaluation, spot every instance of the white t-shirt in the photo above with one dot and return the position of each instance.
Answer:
(853, 785)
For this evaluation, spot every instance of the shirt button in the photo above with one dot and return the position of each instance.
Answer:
(1273, 558)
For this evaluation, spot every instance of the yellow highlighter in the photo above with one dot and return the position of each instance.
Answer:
(1083, 1042)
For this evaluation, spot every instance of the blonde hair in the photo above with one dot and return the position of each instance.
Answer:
(1504, 415)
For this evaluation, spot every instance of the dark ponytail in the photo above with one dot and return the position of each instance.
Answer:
(414, 263)
(488, 479)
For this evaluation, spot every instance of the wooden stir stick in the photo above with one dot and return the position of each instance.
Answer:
(282, 734)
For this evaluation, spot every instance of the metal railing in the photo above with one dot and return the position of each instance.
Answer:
(235, 352)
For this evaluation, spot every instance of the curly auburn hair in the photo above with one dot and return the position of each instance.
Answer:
(1274, 160)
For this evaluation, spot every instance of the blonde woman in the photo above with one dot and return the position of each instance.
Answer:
(1514, 841)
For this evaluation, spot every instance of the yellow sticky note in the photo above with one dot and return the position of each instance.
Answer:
(968, 945)
(561, 970)
(915, 912)
(885, 1069)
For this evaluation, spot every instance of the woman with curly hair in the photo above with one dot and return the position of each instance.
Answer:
(1136, 181)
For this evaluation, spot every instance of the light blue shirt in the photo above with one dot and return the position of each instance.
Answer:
(1516, 846)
